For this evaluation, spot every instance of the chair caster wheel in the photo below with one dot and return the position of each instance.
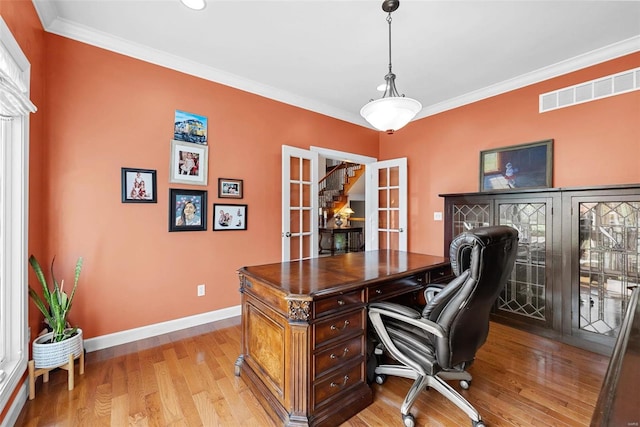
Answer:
(477, 424)
(380, 379)
(465, 385)
(409, 420)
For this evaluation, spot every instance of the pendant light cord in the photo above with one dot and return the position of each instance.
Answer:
(389, 21)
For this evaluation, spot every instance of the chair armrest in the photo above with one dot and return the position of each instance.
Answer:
(432, 289)
(396, 308)
(403, 314)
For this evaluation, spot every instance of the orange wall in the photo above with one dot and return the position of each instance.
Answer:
(595, 143)
(106, 111)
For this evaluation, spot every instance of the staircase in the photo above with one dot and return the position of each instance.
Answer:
(334, 187)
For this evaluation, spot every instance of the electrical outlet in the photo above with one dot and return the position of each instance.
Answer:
(437, 216)
(201, 290)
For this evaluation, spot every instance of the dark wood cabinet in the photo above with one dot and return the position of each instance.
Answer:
(578, 252)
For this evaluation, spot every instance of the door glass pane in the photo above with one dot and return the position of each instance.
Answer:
(306, 195)
(382, 177)
(382, 198)
(383, 223)
(306, 170)
(394, 198)
(394, 241)
(294, 165)
(382, 240)
(294, 198)
(306, 221)
(525, 291)
(294, 247)
(394, 219)
(294, 221)
(394, 176)
(306, 246)
(609, 246)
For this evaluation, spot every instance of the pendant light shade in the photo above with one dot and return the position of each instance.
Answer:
(392, 111)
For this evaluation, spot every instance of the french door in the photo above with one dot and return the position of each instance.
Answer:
(385, 204)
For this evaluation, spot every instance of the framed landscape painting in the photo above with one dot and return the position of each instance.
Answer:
(519, 166)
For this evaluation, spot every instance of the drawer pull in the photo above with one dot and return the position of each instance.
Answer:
(340, 302)
(378, 291)
(344, 382)
(344, 353)
(334, 327)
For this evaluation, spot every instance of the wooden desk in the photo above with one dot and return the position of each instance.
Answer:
(304, 329)
(353, 239)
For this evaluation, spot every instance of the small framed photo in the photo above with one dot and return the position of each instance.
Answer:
(187, 210)
(190, 127)
(188, 163)
(519, 166)
(138, 185)
(229, 188)
(229, 217)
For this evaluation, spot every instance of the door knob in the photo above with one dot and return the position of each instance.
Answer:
(287, 234)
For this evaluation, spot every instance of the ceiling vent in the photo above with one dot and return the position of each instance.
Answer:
(614, 84)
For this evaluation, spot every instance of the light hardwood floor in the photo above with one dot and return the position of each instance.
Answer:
(186, 378)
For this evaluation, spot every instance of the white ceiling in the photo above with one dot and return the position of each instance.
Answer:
(329, 56)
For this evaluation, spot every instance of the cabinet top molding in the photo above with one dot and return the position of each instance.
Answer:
(635, 186)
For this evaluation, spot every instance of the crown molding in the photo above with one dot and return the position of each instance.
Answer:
(576, 63)
(52, 23)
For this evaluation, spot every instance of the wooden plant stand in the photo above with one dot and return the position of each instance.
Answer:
(35, 373)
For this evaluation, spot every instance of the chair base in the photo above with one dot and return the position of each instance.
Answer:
(437, 382)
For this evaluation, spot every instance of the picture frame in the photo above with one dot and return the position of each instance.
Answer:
(181, 216)
(229, 188)
(228, 217)
(138, 185)
(189, 127)
(517, 167)
(189, 163)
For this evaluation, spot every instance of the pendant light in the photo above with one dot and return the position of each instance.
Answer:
(392, 111)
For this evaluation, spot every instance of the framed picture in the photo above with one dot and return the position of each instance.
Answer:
(188, 163)
(229, 188)
(190, 127)
(187, 210)
(229, 217)
(138, 185)
(519, 166)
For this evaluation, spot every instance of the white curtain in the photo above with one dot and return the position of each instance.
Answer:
(14, 100)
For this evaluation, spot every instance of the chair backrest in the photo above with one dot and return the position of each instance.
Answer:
(487, 255)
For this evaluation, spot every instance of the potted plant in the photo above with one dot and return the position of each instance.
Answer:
(53, 348)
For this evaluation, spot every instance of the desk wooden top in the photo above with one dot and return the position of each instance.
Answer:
(325, 275)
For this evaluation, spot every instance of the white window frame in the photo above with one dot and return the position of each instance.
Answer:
(14, 217)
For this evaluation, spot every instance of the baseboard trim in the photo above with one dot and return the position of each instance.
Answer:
(16, 406)
(123, 337)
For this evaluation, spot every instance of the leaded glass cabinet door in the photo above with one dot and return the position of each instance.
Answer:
(607, 253)
(527, 296)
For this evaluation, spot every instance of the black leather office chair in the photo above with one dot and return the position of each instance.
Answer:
(440, 342)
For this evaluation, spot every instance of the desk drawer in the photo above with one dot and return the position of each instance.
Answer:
(341, 381)
(338, 355)
(441, 274)
(337, 302)
(339, 327)
(384, 291)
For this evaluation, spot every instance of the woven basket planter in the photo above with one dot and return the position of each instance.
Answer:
(50, 355)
